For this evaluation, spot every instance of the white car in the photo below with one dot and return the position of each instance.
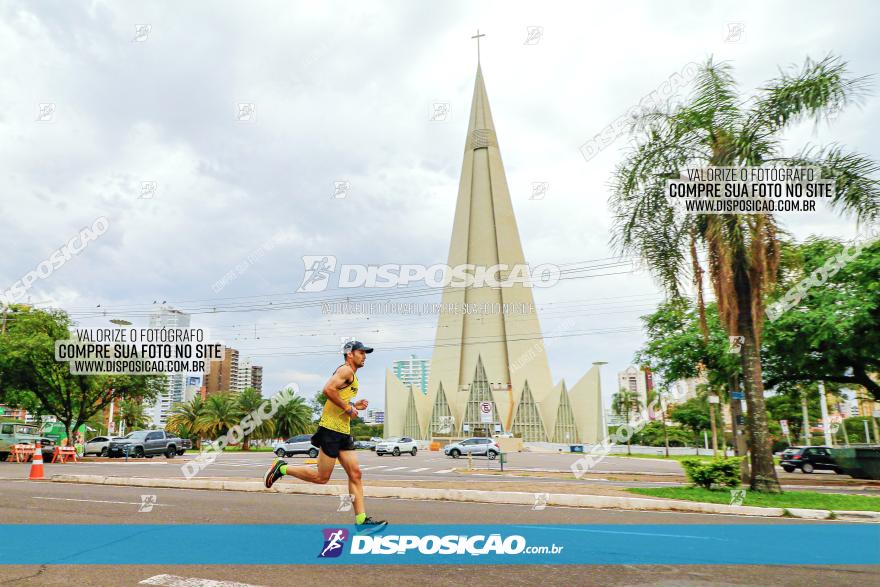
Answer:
(301, 444)
(395, 446)
(99, 445)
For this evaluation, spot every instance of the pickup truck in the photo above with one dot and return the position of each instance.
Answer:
(147, 443)
(17, 433)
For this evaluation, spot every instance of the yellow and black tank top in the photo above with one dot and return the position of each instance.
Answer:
(335, 418)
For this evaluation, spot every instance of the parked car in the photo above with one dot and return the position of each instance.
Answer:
(808, 459)
(99, 445)
(474, 446)
(16, 433)
(365, 444)
(146, 443)
(185, 445)
(396, 445)
(296, 445)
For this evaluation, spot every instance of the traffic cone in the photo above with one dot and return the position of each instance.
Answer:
(37, 463)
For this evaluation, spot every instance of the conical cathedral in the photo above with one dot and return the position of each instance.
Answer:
(495, 357)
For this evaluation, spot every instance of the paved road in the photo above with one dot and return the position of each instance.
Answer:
(27, 502)
(425, 466)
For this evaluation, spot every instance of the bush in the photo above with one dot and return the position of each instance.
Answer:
(723, 471)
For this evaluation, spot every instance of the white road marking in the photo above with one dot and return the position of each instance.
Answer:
(379, 467)
(444, 471)
(99, 501)
(420, 470)
(397, 468)
(175, 581)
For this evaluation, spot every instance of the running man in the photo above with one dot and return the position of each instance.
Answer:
(333, 437)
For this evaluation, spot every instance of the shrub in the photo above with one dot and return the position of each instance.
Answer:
(723, 471)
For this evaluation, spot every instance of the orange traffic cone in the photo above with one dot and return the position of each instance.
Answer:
(37, 464)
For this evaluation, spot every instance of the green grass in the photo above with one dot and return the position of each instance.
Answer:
(790, 499)
(664, 457)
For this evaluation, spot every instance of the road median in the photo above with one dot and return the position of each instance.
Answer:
(576, 500)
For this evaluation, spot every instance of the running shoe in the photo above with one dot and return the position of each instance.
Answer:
(274, 473)
(371, 526)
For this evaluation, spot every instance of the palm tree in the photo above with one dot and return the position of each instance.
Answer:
(624, 402)
(132, 412)
(717, 127)
(293, 417)
(219, 413)
(184, 419)
(249, 401)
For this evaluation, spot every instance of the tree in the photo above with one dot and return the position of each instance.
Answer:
(183, 419)
(30, 375)
(133, 413)
(833, 334)
(623, 403)
(293, 417)
(219, 413)
(249, 401)
(318, 404)
(717, 127)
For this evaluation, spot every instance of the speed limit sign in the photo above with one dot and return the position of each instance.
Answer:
(485, 412)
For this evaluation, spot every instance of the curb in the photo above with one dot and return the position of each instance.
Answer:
(461, 495)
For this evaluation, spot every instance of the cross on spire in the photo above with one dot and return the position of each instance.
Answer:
(477, 37)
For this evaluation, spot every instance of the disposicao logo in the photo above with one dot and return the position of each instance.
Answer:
(334, 541)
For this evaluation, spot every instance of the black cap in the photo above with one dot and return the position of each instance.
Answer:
(355, 345)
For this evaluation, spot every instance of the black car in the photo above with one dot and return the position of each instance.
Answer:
(808, 459)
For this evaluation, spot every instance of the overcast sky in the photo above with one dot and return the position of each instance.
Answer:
(345, 92)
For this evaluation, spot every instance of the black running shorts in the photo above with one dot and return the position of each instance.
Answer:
(331, 441)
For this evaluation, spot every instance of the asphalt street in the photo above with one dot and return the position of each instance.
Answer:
(33, 502)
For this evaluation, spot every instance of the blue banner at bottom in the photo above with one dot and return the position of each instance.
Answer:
(271, 544)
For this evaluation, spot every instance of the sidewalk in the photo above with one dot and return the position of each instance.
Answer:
(528, 493)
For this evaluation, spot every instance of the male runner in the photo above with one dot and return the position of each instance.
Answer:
(333, 436)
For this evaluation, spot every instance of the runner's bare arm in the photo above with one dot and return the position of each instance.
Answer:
(338, 381)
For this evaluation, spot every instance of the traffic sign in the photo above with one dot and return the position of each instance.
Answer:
(737, 395)
(740, 420)
(485, 412)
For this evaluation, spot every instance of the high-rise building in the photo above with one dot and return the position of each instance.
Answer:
(637, 380)
(174, 392)
(413, 371)
(257, 378)
(222, 374)
(488, 371)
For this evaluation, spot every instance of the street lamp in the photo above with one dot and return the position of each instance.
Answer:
(120, 323)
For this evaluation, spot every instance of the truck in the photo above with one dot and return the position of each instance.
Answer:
(148, 443)
(12, 433)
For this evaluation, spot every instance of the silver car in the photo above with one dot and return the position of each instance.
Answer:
(99, 445)
(474, 446)
(301, 444)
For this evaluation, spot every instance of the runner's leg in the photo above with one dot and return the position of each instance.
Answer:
(320, 475)
(349, 461)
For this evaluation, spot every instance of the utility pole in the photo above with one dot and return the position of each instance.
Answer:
(826, 423)
(740, 444)
(806, 416)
